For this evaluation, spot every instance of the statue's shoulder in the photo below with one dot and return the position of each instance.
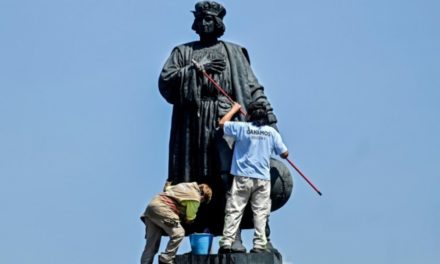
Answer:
(232, 45)
(236, 49)
(188, 45)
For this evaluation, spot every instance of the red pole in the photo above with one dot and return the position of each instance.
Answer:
(304, 176)
(220, 89)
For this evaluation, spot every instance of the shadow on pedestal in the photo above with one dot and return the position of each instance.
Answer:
(238, 258)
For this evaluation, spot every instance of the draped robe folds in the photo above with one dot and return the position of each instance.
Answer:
(197, 150)
(180, 85)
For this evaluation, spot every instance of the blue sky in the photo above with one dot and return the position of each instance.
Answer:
(84, 130)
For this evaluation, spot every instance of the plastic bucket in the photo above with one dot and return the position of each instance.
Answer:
(200, 243)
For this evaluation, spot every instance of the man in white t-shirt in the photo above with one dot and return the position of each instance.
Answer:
(255, 142)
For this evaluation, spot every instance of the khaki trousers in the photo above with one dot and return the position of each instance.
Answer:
(257, 193)
(160, 218)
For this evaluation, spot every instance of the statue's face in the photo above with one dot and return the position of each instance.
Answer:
(206, 25)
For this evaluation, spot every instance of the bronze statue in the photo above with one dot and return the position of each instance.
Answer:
(197, 149)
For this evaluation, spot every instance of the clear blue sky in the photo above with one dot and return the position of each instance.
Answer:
(84, 130)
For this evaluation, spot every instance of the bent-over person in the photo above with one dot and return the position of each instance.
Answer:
(165, 212)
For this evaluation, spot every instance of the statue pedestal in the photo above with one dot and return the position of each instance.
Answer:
(238, 258)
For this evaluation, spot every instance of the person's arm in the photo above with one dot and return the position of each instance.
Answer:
(235, 108)
(191, 210)
(280, 147)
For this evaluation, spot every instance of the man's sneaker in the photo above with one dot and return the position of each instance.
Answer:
(162, 260)
(224, 250)
(235, 250)
(271, 248)
(260, 250)
(237, 247)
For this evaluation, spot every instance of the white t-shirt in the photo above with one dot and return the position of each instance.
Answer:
(254, 146)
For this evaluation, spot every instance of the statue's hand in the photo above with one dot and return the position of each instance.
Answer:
(213, 66)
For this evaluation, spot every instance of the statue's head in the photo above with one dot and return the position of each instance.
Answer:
(208, 18)
(257, 113)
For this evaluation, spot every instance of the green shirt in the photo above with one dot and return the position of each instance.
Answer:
(191, 209)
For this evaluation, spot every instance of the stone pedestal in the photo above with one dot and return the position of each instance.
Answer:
(236, 258)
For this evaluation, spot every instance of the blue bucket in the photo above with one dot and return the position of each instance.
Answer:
(200, 243)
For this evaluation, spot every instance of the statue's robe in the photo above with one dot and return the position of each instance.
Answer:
(197, 149)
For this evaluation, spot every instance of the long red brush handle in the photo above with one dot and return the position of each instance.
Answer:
(304, 176)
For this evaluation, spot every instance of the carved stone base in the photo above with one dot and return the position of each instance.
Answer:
(237, 258)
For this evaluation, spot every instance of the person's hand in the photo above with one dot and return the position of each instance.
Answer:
(188, 222)
(211, 66)
(167, 184)
(236, 107)
(224, 105)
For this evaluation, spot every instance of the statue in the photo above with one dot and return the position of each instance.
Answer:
(197, 149)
